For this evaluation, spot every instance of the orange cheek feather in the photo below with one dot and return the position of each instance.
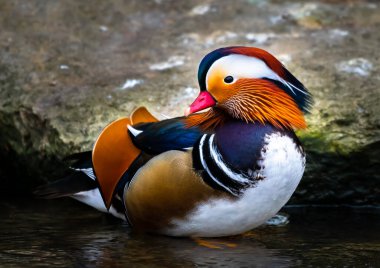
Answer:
(261, 100)
(251, 100)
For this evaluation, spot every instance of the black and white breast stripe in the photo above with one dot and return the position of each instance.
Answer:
(216, 172)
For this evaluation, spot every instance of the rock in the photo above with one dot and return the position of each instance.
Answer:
(68, 69)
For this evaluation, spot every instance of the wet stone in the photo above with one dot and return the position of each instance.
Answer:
(68, 69)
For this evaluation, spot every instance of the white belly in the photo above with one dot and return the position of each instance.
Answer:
(283, 166)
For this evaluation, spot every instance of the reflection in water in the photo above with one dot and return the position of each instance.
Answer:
(64, 233)
(168, 252)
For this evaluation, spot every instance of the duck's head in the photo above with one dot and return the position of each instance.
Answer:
(249, 84)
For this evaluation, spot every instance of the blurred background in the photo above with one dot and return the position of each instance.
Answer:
(68, 68)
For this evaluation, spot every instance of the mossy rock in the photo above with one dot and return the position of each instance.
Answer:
(68, 69)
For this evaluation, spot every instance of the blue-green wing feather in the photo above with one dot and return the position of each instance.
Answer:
(165, 135)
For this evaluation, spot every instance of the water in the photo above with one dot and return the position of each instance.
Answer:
(63, 233)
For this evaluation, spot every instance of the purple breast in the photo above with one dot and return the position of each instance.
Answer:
(240, 143)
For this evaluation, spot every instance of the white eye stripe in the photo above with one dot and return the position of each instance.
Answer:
(240, 66)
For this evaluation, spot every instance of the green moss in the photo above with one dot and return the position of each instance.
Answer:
(320, 142)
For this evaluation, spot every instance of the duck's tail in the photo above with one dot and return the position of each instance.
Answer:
(68, 186)
(81, 185)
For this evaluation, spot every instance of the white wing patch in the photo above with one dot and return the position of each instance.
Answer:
(134, 131)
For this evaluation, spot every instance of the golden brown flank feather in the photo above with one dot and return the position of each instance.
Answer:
(166, 188)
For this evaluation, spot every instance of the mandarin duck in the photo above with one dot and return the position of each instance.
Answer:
(224, 168)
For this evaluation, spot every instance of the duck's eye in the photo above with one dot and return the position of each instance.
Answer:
(228, 79)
